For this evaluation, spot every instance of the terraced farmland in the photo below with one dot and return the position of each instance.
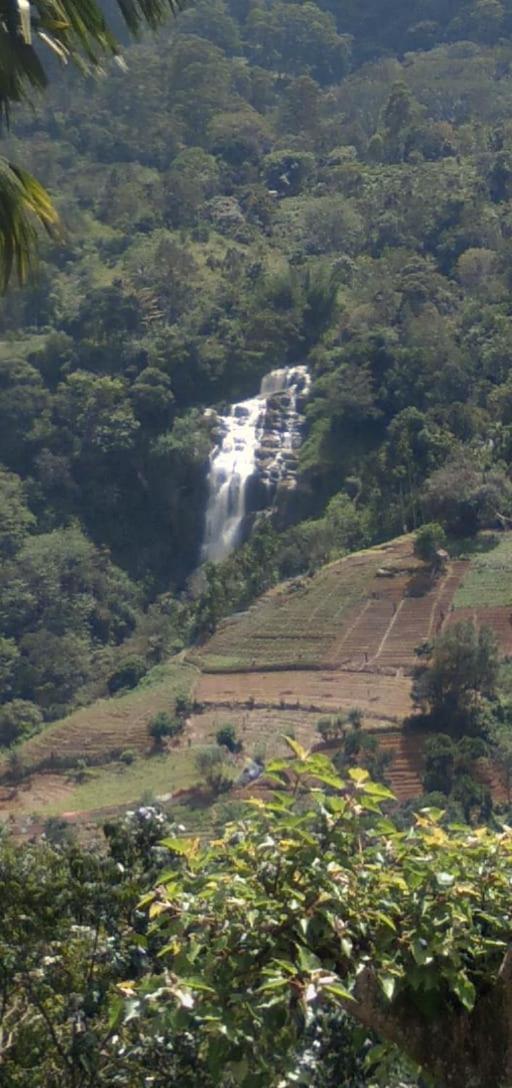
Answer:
(111, 725)
(367, 612)
(343, 638)
(298, 625)
(380, 697)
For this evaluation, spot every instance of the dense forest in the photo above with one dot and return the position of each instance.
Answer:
(260, 184)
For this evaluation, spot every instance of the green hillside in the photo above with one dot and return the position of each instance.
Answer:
(344, 638)
(264, 185)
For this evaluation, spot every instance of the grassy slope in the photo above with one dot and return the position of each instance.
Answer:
(111, 725)
(119, 785)
(488, 582)
(295, 625)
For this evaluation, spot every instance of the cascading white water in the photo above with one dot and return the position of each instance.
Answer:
(241, 453)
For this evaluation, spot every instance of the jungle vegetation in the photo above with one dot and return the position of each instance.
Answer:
(260, 184)
(257, 184)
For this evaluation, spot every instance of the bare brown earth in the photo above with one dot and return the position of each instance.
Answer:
(499, 618)
(381, 697)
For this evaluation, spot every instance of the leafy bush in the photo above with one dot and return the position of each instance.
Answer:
(18, 719)
(81, 771)
(226, 738)
(128, 757)
(463, 669)
(215, 769)
(428, 540)
(331, 729)
(464, 498)
(128, 674)
(183, 706)
(163, 725)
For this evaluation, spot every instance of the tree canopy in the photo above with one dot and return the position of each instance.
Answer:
(318, 897)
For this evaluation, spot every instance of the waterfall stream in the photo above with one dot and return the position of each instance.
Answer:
(257, 438)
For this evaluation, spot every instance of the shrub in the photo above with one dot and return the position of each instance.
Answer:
(439, 757)
(128, 757)
(428, 540)
(18, 719)
(183, 706)
(226, 737)
(464, 497)
(331, 729)
(355, 717)
(163, 725)
(81, 772)
(16, 767)
(463, 668)
(215, 769)
(127, 674)
(58, 831)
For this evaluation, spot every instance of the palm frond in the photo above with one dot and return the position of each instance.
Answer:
(74, 30)
(23, 203)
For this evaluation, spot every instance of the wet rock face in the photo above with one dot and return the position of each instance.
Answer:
(255, 458)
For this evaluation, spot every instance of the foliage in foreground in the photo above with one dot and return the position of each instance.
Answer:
(319, 899)
(315, 941)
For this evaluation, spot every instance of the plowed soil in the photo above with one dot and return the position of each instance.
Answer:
(380, 697)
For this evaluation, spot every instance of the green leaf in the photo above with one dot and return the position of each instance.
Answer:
(464, 989)
(420, 951)
(116, 1012)
(388, 986)
(386, 921)
(323, 770)
(297, 749)
(185, 847)
(338, 990)
(444, 880)
(196, 983)
(275, 983)
(307, 960)
(276, 766)
(358, 776)
(346, 946)
(378, 791)
(376, 1055)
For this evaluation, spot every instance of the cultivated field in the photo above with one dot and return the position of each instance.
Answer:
(98, 734)
(380, 697)
(298, 624)
(320, 645)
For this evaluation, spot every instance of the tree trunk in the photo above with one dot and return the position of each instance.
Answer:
(458, 1049)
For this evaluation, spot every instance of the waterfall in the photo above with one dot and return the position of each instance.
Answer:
(258, 438)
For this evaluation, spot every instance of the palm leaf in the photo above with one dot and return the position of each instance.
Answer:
(23, 203)
(74, 30)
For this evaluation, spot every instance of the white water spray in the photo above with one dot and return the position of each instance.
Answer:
(250, 445)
